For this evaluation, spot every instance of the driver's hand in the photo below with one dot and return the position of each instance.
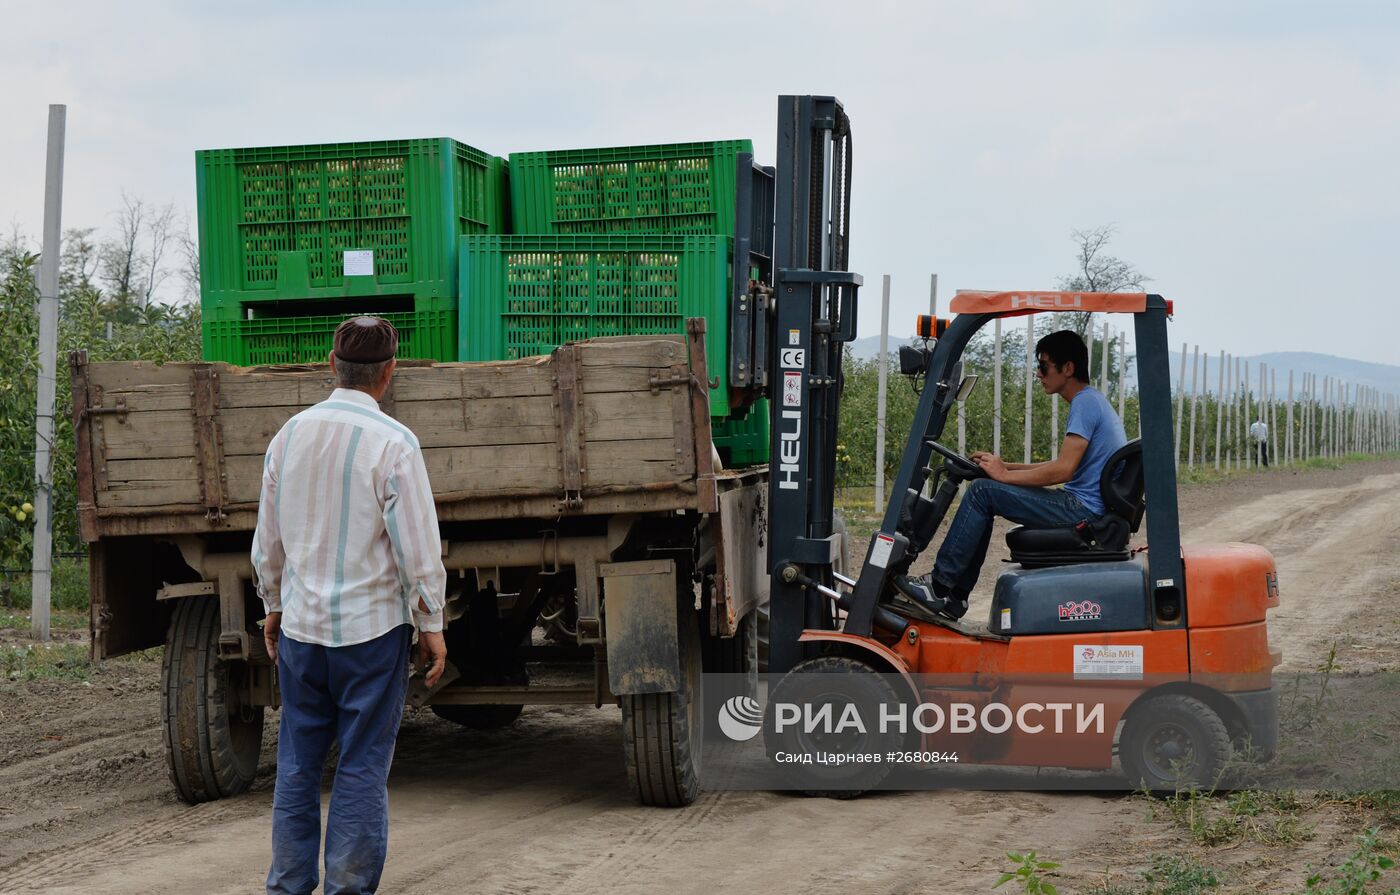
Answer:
(976, 456)
(992, 465)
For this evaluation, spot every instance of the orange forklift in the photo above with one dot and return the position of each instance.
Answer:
(1158, 654)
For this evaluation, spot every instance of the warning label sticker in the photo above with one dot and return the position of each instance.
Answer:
(792, 389)
(880, 552)
(1119, 663)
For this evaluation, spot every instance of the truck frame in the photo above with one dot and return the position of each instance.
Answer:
(578, 491)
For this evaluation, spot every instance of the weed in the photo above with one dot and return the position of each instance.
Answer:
(70, 586)
(1169, 875)
(1178, 876)
(1030, 872)
(45, 661)
(1268, 818)
(1355, 877)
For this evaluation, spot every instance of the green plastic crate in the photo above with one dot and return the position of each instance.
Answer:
(674, 188)
(744, 441)
(526, 295)
(275, 222)
(430, 335)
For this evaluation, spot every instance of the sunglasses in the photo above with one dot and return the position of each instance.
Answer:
(1043, 367)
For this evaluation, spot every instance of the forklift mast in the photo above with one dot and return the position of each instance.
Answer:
(814, 298)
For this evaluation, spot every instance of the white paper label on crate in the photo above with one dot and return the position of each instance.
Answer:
(794, 337)
(880, 553)
(792, 358)
(1006, 619)
(792, 389)
(1119, 663)
(359, 263)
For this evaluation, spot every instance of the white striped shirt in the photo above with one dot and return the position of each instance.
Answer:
(347, 539)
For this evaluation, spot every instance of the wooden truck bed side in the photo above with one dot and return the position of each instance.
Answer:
(604, 426)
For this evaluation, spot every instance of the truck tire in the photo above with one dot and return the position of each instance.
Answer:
(1174, 742)
(662, 733)
(212, 741)
(838, 526)
(479, 717)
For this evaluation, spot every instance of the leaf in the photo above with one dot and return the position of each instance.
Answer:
(1015, 857)
(1005, 878)
(1047, 888)
(1047, 865)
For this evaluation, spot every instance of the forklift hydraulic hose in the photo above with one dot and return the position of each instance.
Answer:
(884, 618)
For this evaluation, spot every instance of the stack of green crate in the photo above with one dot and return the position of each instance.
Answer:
(293, 239)
(616, 241)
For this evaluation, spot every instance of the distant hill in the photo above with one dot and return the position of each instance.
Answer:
(1385, 377)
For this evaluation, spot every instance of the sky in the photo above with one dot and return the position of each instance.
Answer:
(1245, 152)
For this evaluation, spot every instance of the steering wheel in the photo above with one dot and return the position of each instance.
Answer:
(957, 464)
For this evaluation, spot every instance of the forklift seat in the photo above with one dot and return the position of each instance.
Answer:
(1104, 539)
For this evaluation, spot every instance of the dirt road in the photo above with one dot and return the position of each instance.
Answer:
(543, 806)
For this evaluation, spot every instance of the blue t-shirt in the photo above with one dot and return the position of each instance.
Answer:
(1091, 417)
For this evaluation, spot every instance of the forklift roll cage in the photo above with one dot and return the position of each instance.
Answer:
(942, 380)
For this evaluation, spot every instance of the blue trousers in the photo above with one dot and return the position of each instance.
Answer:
(354, 695)
(963, 551)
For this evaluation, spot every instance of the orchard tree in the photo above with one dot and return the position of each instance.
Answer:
(1098, 271)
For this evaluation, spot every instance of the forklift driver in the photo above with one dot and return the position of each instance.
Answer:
(1017, 491)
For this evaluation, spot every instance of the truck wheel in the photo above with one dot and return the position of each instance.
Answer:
(479, 717)
(839, 681)
(1174, 742)
(662, 733)
(212, 740)
(838, 526)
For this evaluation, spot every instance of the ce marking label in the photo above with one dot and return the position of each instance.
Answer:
(792, 358)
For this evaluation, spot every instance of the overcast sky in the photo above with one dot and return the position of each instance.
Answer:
(1247, 152)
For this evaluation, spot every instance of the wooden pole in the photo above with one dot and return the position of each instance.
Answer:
(1180, 401)
(1195, 402)
(996, 388)
(1030, 382)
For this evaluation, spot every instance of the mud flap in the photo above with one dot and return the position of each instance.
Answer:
(639, 618)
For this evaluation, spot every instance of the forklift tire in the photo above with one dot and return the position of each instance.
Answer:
(212, 741)
(663, 733)
(1174, 742)
(479, 717)
(839, 679)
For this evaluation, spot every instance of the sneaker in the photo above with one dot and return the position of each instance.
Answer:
(932, 594)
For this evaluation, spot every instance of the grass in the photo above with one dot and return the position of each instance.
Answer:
(59, 620)
(45, 661)
(1170, 875)
(70, 586)
(1266, 818)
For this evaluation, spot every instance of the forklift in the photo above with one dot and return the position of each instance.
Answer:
(1170, 642)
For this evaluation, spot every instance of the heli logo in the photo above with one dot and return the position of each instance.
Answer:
(1083, 611)
(1052, 302)
(790, 450)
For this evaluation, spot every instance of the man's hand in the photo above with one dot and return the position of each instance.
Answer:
(271, 628)
(432, 655)
(992, 465)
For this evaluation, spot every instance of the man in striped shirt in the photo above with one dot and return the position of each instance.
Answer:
(348, 561)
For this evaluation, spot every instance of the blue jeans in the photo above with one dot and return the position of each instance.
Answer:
(964, 550)
(353, 694)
